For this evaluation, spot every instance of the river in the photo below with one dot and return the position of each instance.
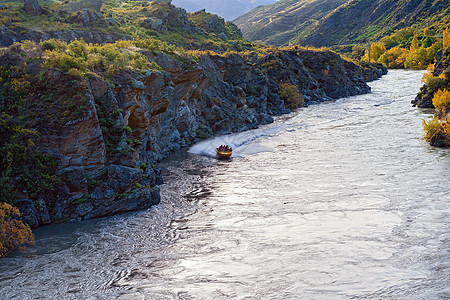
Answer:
(341, 200)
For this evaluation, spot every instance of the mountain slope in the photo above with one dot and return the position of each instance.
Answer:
(278, 23)
(343, 22)
(227, 9)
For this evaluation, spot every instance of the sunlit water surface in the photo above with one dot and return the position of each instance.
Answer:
(336, 201)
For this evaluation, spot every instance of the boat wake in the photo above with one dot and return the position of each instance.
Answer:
(243, 143)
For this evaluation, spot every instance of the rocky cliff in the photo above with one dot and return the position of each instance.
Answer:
(103, 136)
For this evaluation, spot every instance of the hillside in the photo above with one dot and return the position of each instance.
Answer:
(227, 9)
(329, 23)
(279, 23)
(108, 21)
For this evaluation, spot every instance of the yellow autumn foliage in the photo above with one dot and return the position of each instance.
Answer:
(14, 234)
(441, 98)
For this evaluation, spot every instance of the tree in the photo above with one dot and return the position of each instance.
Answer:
(394, 58)
(427, 42)
(376, 50)
(446, 40)
(414, 44)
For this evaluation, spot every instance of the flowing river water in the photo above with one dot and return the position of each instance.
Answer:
(341, 200)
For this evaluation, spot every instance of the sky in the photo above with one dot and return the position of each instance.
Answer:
(227, 9)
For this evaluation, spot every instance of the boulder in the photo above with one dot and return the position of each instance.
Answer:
(34, 213)
(119, 177)
(222, 36)
(111, 21)
(152, 23)
(75, 180)
(32, 7)
(83, 209)
(86, 17)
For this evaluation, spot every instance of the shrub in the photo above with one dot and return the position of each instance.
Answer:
(78, 48)
(14, 234)
(76, 73)
(445, 124)
(48, 45)
(61, 60)
(430, 128)
(22, 165)
(203, 132)
(291, 96)
(441, 98)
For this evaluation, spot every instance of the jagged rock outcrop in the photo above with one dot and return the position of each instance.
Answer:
(86, 16)
(373, 71)
(32, 7)
(152, 23)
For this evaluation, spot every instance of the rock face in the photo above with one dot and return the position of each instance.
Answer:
(32, 7)
(105, 149)
(9, 37)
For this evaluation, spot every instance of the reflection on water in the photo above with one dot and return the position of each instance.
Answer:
(336, 201)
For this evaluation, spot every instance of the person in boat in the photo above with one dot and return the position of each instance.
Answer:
(224, 148)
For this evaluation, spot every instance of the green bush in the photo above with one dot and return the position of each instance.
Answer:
(291, 96)
(21, 165)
